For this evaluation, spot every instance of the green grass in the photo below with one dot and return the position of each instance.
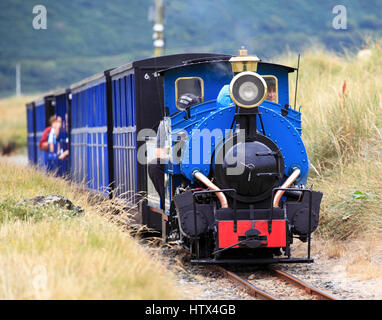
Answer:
(352, 203)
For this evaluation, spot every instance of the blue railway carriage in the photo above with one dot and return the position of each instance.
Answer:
(90, 148)
(31, 133)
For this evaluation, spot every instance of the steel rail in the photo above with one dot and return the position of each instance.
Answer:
(249, 287)
(258, 293)
(299, 283)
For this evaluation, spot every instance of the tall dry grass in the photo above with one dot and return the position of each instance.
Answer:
(352, 203)
(13, 120)
(341, 98)
(49, 253)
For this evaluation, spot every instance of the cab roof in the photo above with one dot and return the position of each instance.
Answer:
(221, 58)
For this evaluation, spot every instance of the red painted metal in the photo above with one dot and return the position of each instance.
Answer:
(276, 239)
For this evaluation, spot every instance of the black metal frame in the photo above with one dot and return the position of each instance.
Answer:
(31, 105)
(109, 125)
(307, 259)
(69, 124)
(50, 108)
(194, 194)
(310, 212)
(252, 261)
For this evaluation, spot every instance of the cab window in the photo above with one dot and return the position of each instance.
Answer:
(192, 85)
(273, 92)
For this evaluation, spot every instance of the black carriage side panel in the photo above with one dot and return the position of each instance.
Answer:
(35, 142)
(31, 133)
(149, 112)
(69, 124)
(109, 124)
(50, 108)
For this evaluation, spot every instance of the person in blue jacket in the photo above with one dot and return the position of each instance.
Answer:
(53, 146)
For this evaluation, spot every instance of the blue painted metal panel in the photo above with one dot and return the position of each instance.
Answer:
(206, 134)
(90, 163)
(280, 129)
(282, 132)
(78, 140)
(101, 177)
(294, 116)
(124, 136)
(181, 123)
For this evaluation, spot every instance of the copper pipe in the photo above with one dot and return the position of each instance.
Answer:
(202, 178)
(292, 178)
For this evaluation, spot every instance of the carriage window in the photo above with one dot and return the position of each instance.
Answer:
(192, 85)
(273, 92)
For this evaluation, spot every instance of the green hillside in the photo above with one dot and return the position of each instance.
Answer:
(84, 37)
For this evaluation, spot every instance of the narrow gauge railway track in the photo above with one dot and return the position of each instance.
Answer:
(280, 279)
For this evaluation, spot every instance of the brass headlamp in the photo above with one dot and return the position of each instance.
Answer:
(244, 62)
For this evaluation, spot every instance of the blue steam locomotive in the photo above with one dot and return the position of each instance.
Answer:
(207, 145)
